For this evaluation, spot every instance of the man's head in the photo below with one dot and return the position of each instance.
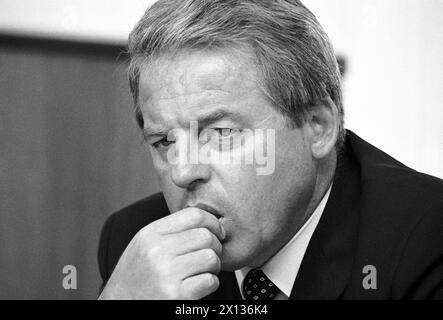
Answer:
(256, 66)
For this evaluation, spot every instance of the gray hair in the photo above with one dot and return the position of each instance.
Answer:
(291, 49)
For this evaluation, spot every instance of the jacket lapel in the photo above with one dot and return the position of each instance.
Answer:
(327, 264)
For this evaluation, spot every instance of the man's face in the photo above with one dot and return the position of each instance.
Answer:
(260, 212)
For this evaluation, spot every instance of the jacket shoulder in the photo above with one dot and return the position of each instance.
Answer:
(385, 177)
(123, 225)
(400, 224)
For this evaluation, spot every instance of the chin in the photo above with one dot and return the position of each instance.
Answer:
(232, 259)
(231, 265)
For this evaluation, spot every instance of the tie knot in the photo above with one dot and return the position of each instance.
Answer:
(257, 286)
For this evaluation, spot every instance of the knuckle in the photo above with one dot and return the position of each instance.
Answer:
(172, 292)
(210, 280)
(144, 245)
(151, 228)
(154, 250)
(211, 257)
(196, 217)
(205, 236)
(188, 292)
(143, 233)
(157, 252)
(165, 271)
(154, 227)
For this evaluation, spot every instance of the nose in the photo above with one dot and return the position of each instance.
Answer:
(187, 175)
(187, 170)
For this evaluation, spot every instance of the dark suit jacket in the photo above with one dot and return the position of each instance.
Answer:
(379, 213)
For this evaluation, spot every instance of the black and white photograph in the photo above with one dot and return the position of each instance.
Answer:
(228, 150)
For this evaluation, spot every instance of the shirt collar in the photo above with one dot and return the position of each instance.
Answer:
(283, 267)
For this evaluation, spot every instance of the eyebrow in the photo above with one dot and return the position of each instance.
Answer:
(150, 132)
(217, 115)
(203, 121)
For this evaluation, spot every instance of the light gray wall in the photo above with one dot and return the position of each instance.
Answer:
(70, 155)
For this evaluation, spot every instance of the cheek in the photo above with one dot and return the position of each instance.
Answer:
(249, 197)
(161, 170)
(172, 194)
(237, 182)
(159, 160)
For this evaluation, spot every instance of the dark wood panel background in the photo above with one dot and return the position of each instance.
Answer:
(70, 154)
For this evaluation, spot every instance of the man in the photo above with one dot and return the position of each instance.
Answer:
(331, 216)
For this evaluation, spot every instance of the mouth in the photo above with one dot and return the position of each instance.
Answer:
(207, 208)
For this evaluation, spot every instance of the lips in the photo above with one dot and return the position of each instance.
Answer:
(207, 208)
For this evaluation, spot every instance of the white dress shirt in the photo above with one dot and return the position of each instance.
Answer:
(283, 267)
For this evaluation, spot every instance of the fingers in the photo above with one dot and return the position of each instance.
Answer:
(201, 261)
(201, 285)
(181, 251)
(176, 257)
(189, 218)
(193, 240)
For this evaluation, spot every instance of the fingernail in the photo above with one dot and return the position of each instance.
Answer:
(223, 232)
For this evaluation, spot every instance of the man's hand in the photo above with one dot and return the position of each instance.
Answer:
(176, 257)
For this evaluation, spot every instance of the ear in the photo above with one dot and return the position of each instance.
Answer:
(323, 121)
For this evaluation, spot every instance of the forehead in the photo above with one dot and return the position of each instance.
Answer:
(192, 81)
(188, 71)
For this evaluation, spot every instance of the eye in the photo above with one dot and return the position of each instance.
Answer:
(224, 132)
(224, 139)
(216, 134)
(163, 143)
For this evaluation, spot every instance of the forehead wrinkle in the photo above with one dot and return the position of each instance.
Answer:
(174, 111)
(201, 70)
(168, 97)
(174, 90)
(237, 88)
(170, 112)
(204, 94)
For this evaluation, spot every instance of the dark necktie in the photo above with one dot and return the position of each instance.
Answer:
(256, 286)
